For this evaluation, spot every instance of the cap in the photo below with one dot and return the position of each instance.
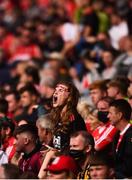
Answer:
(63, 162)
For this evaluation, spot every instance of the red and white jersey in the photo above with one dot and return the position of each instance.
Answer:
(103, 135)
(9, 147)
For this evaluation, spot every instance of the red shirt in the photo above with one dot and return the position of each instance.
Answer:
(8, 44)
(103, 135)
(31, 162)
(26, 52)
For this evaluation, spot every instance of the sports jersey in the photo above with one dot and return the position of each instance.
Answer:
(103, 135)
(31, 162)
(61, 136)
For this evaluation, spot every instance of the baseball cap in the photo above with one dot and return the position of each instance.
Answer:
(63, 162)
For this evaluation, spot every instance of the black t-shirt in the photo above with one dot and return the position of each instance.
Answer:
(62, 136)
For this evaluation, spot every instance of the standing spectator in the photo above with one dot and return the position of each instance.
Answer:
(65, 115)
(119, 115)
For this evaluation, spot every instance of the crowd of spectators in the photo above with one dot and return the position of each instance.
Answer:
(65, 89)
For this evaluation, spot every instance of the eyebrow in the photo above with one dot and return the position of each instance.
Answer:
(61, 85)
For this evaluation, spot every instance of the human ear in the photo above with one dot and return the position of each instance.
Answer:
(120, 115)
(89, 148)
(8, 131)
(26, 140)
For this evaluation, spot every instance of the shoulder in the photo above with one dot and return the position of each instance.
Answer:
(128, 133)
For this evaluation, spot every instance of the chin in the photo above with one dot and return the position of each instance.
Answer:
(55, 105)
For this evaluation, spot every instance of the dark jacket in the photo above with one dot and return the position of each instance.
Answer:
(123, 157)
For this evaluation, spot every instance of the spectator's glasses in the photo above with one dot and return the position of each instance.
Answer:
(61, 88)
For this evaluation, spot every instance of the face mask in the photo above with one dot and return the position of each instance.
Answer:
(102, 116)
(77, 154)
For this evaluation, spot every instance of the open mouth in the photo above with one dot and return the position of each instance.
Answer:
(54, 99)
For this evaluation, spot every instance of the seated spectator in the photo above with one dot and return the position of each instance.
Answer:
(92, 121)
(30, 75)
(3, 108)
(117, 88)
(28, 175)
(3, 158)
(7, 138)
(81, 147)
(89, 115)
(98, 90)
(22, 121)
(101, 167)
(14, 109)
(129, 92)
(26, 49)
(26, 136)
(123, 62)
(9, 171)
(29, 98)
(92, 70)
(45, 127)
(62, 167)
(84, 109)
(46, 90)
(110, 70)
(104, 133)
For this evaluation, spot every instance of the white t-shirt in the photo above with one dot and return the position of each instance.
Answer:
(117, 32)
(3, 157)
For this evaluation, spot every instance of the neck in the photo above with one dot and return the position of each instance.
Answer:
(85, 163)
(122, 124)
(48, 140)
(63, 111)
(29, 148)
(119, 96)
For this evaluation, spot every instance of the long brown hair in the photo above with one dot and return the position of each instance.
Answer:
(71, 105)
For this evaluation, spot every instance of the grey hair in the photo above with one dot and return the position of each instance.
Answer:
(46, 122)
